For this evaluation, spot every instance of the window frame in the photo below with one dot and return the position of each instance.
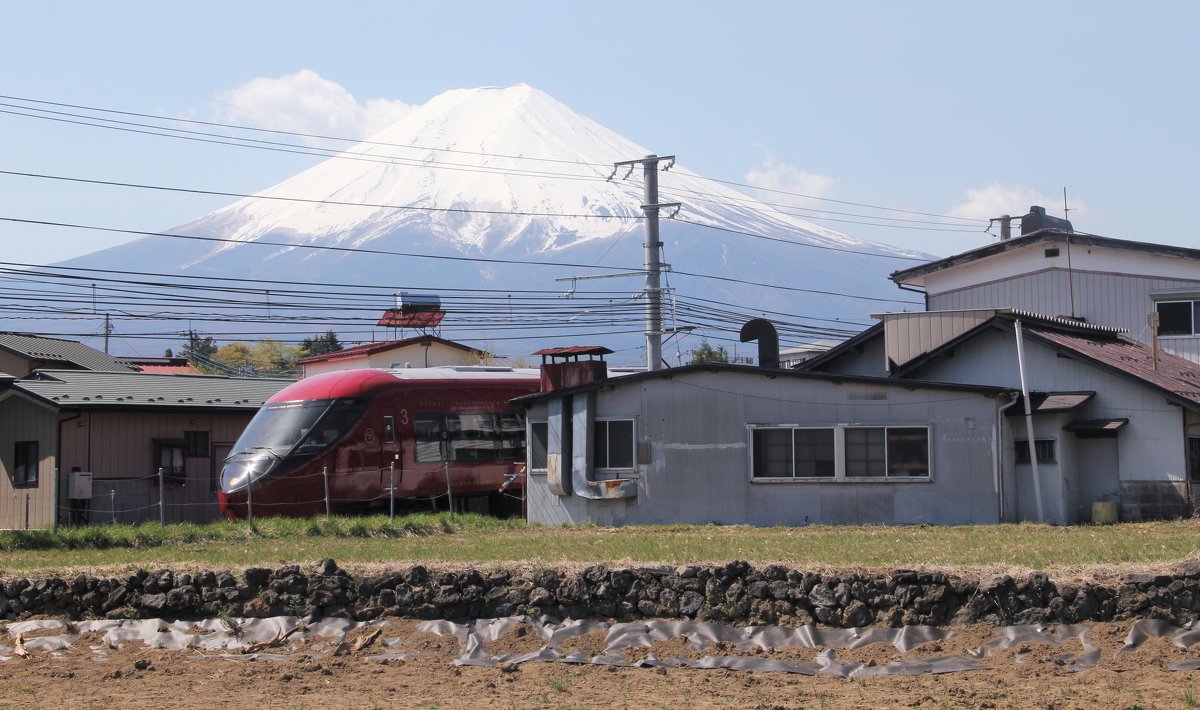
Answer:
(1021, 447)
(197, 444)
(170, 473)
(633, 458)
(530, 449)
(840, 451)
(25, 464)
(1192, 330)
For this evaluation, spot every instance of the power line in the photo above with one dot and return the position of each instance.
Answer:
(339, 203)
(432, 149)
(799, 244)
(484, 260)
(304, 135)
(295, 149)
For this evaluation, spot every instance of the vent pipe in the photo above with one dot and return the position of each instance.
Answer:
(763, 331)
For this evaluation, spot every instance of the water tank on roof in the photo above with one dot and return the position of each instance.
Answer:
(1037, 219)
(418, 302)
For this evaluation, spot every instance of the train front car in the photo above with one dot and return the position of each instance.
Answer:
(340, 441)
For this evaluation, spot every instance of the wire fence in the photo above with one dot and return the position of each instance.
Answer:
(167, 499)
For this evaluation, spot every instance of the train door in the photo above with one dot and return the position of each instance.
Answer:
(390, 461)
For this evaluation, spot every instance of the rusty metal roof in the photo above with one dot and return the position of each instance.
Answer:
(1174, 375)
(575, 350)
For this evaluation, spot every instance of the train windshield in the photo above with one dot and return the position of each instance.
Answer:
(284, 429)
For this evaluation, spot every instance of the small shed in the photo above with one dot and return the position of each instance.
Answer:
(734, 444)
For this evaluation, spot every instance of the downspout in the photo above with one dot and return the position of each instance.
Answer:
(997, 452)
(58, 462)
(1037, 479)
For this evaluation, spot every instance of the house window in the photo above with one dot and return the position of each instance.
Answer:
(539, 435)
(614, 444)
(1177, 317)
(1043, 447)
(794, 453)
(25, 464)
(840, 452)
(196, 443)
(169, 455)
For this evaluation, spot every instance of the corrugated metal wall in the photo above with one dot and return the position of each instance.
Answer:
(1108, 299)
(1152, 447)
(694, 428)
(32, 506)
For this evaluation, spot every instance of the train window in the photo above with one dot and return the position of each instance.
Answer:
(428, 430)
(389, 431)
(469, 437)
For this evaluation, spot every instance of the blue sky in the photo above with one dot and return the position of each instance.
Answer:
(948, 107)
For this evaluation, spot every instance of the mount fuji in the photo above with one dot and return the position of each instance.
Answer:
(476, 179)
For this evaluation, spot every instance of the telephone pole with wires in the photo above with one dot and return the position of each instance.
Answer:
(653, 266)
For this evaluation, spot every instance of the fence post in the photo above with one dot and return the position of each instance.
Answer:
(392, 491)
(250, 502)
(55, 511)
(26, 511)
(325, 474)
(112, 503)
(162, 516)
(449, 490)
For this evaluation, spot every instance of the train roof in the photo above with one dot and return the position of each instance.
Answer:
(368, 381)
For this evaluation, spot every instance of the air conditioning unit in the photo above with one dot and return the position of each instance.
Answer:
(79, 485)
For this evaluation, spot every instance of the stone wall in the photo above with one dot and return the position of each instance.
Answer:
(734, 593)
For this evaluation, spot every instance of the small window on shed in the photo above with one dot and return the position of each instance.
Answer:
(1045, 449)
(539, 434)
(25, 464)
(614, 443)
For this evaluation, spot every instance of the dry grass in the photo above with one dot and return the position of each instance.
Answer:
(365, 543)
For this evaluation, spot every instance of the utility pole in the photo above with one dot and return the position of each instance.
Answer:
(107, 331)
(653, 267)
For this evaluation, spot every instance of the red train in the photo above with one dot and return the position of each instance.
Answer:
(419, 427)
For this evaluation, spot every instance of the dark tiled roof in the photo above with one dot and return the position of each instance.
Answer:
(371, 348)
(69, 352)
(1174, 375)
(88, 389)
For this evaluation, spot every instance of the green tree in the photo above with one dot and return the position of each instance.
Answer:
(320, 344)
(704, 352)
(267, 356)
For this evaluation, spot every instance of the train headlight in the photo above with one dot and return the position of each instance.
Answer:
(242, 469)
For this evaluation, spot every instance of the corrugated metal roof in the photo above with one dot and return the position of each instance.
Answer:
(36, 347)
(89, 389)
(576, 350)
(1131, 358)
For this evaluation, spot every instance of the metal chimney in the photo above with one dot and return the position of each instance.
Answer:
(763, 331)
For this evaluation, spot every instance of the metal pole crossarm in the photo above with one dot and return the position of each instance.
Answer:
(647, 160)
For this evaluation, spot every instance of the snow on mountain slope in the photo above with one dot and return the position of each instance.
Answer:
(483, 126)
(512, 173)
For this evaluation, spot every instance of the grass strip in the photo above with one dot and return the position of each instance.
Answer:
(479, 541)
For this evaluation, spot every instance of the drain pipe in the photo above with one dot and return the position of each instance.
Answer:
(1037, 479)
(997, 452)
